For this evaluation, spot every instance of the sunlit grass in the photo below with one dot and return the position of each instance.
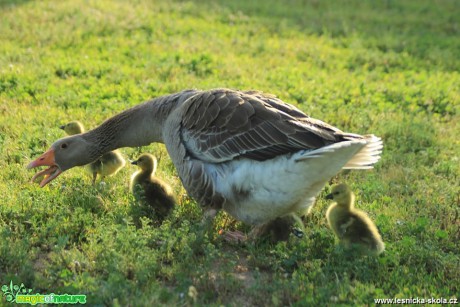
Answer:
(388, 68)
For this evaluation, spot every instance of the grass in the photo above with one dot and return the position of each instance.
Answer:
(383, 67)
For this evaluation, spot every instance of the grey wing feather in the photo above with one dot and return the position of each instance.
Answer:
(223, 124)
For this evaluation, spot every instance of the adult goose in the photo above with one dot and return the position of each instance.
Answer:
(352, 226)
(106, 165)
(149, 190)
(247, 153)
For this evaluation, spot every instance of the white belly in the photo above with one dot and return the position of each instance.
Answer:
(258, 192)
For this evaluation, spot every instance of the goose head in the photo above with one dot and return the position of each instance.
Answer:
(147, 163)
(342, 194)
(74, 127)
(64, 154)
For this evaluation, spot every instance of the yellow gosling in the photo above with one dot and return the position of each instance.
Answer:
(279, 229)
(72, 128)
(350, 225)
(150, 190)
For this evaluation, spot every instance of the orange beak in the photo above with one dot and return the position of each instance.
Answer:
(47, 159)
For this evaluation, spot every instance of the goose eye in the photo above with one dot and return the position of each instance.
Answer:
(64, 146)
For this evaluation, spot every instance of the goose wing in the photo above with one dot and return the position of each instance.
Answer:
(221, 125)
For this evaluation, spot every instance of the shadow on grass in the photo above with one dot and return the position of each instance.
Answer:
(424, 30)
(11, 3)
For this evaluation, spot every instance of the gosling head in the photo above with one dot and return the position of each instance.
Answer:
(72, 128)
(342, 194)
(146, 162)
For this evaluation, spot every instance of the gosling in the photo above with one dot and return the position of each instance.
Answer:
(279, 229)
(350, 225)
(149, 190)
(108, 164)
(74, 127)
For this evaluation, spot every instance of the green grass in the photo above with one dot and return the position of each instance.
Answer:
(385, 67)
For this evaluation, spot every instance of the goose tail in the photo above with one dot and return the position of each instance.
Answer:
(368, 155)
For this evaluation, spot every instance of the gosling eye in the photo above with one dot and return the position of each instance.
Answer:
(64, 145)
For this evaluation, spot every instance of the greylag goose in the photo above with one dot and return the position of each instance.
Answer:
(248, 153)
(149, 190)
(350, 225)
(106, 165)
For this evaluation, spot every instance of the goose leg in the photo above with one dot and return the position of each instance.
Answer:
(207, 221)
(94, 178)
(209, 214)
(229, 236)
(233, 236)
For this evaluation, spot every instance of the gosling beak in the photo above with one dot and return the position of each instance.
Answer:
(134, 162)
(62, 127)
(49, 174)
(330, 196)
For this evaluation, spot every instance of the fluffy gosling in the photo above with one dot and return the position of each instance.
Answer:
(108, 164)
(279, 229)
(74, 127)
(350, 225)
(149, 190)
(274, 231)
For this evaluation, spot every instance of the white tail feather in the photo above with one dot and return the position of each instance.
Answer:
(368, 155)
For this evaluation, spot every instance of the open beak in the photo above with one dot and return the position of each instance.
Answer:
(47, 159)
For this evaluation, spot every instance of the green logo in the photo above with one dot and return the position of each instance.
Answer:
(22, 295)
(13, 290)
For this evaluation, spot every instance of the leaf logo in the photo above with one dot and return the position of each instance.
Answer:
(10, 292)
